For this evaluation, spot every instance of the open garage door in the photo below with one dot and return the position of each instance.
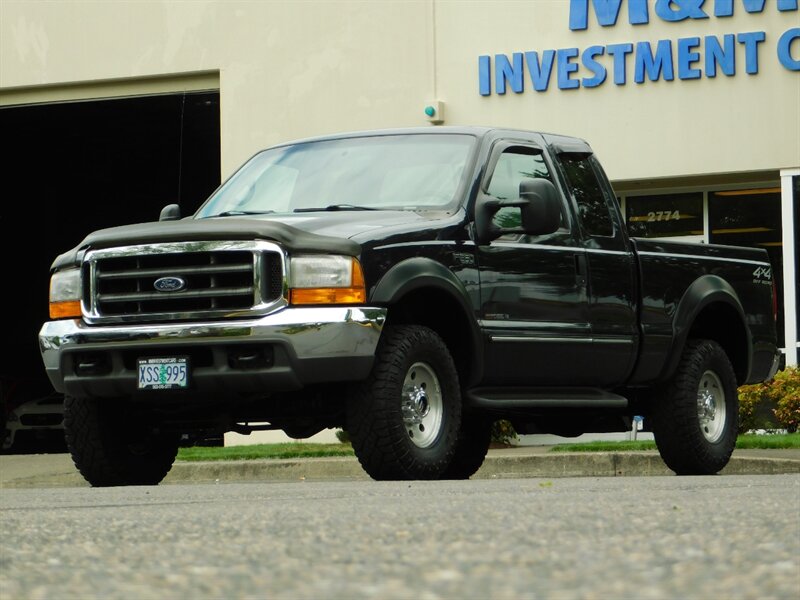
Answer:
(73, 167)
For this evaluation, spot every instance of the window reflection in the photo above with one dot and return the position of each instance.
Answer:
(514, 165)
(405, 172)
(594, 212)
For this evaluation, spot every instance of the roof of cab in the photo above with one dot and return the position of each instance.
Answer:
(437, 130)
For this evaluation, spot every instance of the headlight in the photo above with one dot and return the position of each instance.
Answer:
(65, 294)
(326, 279)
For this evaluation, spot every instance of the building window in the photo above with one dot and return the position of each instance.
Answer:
(746, 218)
(665, 215)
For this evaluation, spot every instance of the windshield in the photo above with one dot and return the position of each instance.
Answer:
(401, 172)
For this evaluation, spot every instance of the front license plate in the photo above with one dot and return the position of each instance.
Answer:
(163, 373)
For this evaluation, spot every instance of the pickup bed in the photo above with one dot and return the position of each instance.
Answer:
(412, 287)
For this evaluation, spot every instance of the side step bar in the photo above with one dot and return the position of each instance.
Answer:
(503, 398)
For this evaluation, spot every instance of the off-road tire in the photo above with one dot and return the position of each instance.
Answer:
(375, 419)
(110, 449)
(681, 437)
(474, 439)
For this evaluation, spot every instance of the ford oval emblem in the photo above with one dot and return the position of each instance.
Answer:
(170, 284)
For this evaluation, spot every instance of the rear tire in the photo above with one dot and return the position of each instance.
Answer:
(404, 419)
(111, 447)
(695, 421)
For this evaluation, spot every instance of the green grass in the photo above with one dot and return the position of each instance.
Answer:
(260, 451)
(787, 440)
(637, 446)
(305, 450)
(747, 442)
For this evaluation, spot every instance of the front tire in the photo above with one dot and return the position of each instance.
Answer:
(404, 419)
(695, 421)
(112, 446)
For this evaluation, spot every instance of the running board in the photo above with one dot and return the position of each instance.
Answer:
(544, 398)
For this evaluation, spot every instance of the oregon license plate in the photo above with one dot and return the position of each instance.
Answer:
(163, 373)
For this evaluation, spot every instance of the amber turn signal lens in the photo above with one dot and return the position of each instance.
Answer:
(329, 296)
(65, 310)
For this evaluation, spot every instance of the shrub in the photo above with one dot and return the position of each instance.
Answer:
(781, 392)
(785, 392)
(342, 436)
(503, 432)
(750, 398)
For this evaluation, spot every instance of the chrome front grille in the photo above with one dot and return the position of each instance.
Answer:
(213, 280)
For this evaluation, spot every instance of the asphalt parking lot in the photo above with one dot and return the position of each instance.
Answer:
(734, 536)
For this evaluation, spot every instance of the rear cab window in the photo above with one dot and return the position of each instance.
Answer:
(594, 201)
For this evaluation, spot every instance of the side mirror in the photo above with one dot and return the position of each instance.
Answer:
(540, 211)
(171, 212)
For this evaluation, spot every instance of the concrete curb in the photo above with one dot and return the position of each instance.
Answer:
(290, 469)
(618, 464)
(600, 464)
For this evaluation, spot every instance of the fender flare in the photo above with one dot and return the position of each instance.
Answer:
(418, 273)
(704, 291)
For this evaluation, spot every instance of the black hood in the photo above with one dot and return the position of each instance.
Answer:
(226, 228)
(317, 232)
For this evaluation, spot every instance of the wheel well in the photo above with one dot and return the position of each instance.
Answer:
(723, 324)
(440, 312)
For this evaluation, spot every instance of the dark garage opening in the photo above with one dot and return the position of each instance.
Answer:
(74, 167)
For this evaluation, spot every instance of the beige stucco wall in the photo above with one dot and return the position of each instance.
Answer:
(292, 69)
(656, 129)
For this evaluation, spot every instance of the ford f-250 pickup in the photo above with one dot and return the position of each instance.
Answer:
(412, 287)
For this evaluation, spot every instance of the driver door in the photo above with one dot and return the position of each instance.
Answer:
(534, 305)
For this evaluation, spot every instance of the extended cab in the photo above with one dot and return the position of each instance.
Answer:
(410, 286)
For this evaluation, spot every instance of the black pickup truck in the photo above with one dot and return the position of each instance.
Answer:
(411, 286)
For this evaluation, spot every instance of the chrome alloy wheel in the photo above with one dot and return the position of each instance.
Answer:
(422, 405)
(711, 406)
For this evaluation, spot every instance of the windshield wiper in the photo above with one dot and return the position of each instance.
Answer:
(333, 207)
(239, 213)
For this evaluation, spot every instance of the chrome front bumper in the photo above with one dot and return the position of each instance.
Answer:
(301, 346)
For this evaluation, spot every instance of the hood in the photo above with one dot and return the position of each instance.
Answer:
(318, 232)
(226, 228)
